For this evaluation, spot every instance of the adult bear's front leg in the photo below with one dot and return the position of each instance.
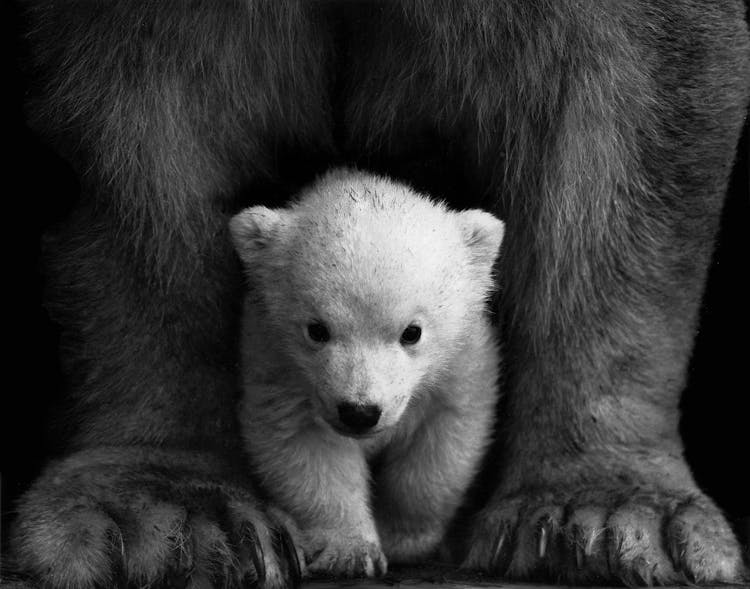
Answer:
(605, 272)
(165, 112)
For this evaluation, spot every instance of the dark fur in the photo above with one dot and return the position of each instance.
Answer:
(603, 133)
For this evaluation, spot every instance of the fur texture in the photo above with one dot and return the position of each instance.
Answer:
(366, 258)
(602, 132)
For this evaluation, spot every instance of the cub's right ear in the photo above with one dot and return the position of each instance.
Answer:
(483, 234)
(253, 229)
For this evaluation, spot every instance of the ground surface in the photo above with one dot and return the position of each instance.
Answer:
(437, 577)
(417, 584)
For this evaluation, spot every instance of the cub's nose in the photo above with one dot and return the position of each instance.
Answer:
(359, 418)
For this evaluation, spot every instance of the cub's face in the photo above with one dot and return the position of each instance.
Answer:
(370, 297)
(367, 345)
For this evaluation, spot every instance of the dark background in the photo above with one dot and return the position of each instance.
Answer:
(38, 189)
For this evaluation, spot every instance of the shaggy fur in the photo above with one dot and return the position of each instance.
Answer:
(367, 257)
(602, 132)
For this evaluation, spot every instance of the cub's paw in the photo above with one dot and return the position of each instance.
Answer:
(412, 544)
(606, 536)
(333, 552)
(126, 517)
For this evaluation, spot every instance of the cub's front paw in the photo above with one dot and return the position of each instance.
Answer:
(411, 544)
(333, 552)
(129, 517)
(635, 536)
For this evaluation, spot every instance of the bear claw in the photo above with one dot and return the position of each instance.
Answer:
(249, 535)
(286, 544)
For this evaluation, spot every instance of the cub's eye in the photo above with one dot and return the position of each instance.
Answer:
(411, 335)
(318, 332)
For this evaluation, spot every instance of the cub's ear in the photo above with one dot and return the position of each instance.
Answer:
(483, 234)
(253, 229)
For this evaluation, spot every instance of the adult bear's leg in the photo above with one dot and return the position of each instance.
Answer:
(165, 110)
(604, 136)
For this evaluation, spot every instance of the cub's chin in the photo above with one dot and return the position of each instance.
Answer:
(342, 430)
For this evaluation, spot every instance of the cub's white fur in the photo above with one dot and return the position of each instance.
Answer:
(365, 258)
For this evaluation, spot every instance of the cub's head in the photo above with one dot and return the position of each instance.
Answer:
(369, 290)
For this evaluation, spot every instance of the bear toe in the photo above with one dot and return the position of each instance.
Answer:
(702, 546)
(350, 559)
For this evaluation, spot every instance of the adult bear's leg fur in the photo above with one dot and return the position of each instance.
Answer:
(603, 134)
(166, 110)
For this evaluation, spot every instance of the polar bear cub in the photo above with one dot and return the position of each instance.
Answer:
(366, 341)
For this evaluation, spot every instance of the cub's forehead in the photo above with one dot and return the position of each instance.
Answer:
(371, 228)
(378, 281)
(368, 236)
(368, 248)
(354, 206)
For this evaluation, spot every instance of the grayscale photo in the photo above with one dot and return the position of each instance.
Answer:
(363, 293)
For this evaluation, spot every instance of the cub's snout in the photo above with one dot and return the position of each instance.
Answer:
(358, 419)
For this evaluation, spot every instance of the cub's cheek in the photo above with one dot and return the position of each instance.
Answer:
(394, 411)
(324, 408)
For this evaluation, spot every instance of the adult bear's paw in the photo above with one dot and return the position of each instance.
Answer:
(606, 536)
(126, 517)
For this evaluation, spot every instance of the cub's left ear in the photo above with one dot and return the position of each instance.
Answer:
(252, 231)
(483, 234)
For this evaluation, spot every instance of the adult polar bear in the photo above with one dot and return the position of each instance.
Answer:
(602, 132)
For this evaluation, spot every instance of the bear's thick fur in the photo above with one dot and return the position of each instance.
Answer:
(603, 133)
